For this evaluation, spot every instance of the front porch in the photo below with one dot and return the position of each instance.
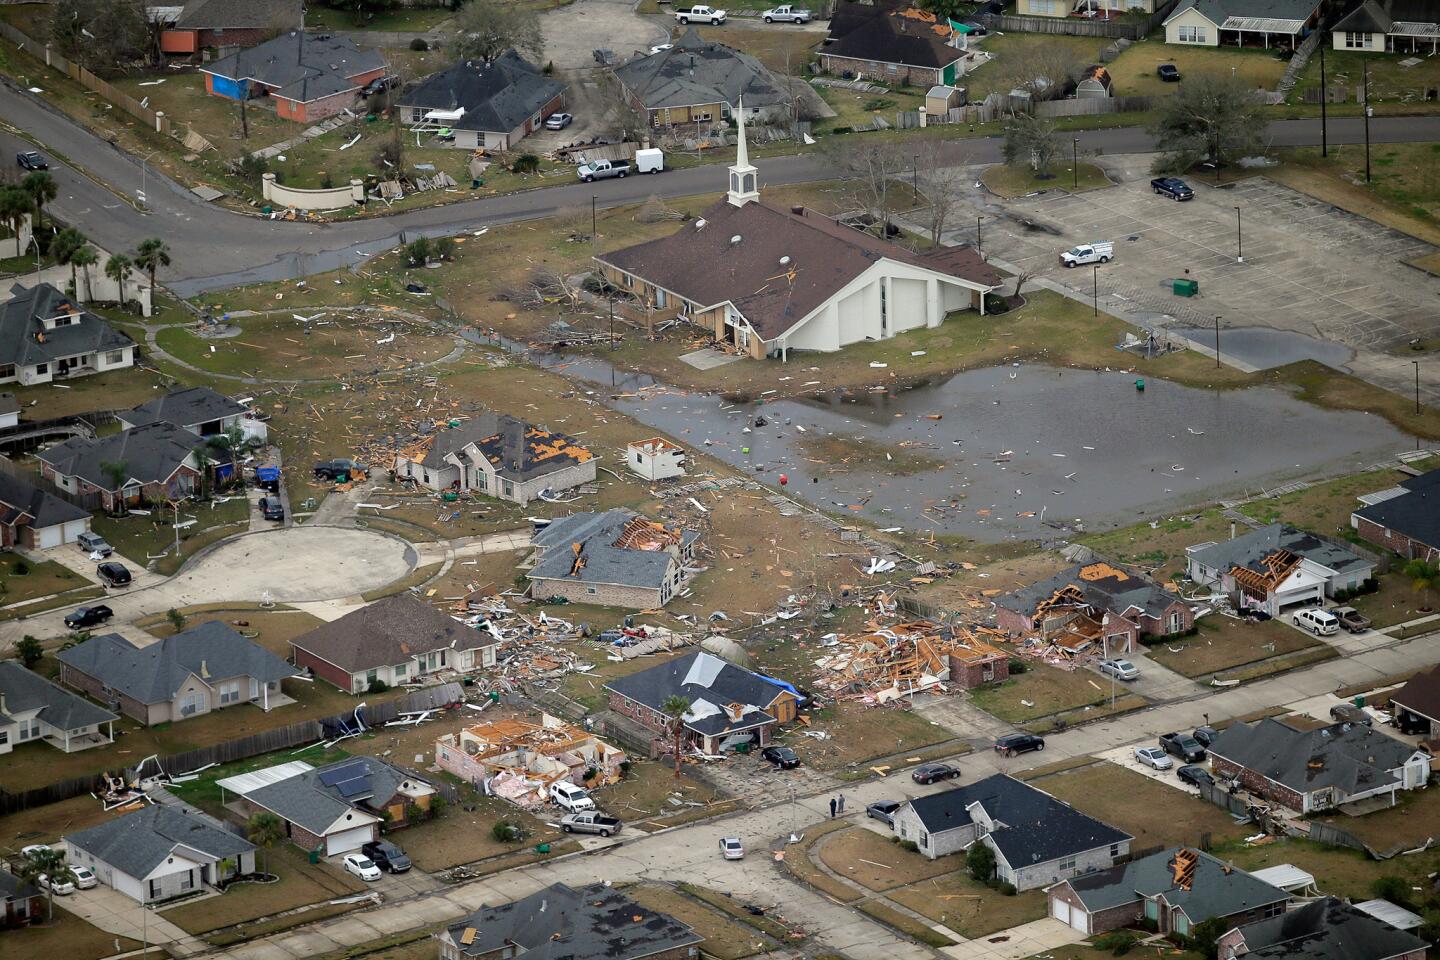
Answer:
(68, 742)
(1262, 33)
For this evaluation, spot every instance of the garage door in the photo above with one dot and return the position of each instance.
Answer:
(1063, 912)
(347, 840)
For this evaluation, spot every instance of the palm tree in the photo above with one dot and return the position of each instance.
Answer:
(40, 187)
(118, 268)
(84, 258)
(1424, 577)
(50, 863)
(15, 206)
(675, 707)
(204, 459)
(116, 472)
(63, 248)
(265, 830)
(151, 255)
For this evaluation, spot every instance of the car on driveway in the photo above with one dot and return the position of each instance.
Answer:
(61, 888)
(1119, 669)
(93, 544)
(1194, 775)
(1183, 747)
(362, 866)
(1352, 620)
(884, 811)
(934, 772)
(387, 856)
(84, 878)
(590, 821)
(88, 616)
(1154, 758)
(380, 85)
(32, 160)
(1322, 623)
(559, 121)
(33, 849)
(783, 757)
(1168, 72)
(271, 508)
(731, 848)
(1206, 736)
(1349, 713)
(1013, 743)
(335, 469)
(113, 574)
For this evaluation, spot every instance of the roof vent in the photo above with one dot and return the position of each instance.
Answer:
(784, 261)
(700, 223)
(735, 239)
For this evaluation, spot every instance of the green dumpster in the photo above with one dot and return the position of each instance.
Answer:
(1185, 288)
(742, 748)
(315, 855)
(494, 696)
(450, 497)
(542, 848)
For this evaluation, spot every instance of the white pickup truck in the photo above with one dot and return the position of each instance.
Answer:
(700, 14)
(787, 14)
(1088, 253)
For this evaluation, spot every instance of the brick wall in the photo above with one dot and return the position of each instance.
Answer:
(1101, 921)
(1224, 769)
(84, 682)
(1396, 541)
(609, 595)
(305, 839)
(916, 76)
(304, 659)
(969, 675)
(1012, 622)
(641, 714)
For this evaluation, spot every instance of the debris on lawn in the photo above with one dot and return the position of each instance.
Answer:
(518, 761)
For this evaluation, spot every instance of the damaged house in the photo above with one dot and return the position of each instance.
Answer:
(518, 760)
(1324, 929)
(727, 703)
(499, 456)
(1095, 608)
(1277, 566)
(616, 558)
(906, 658)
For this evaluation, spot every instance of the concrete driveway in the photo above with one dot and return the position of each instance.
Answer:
(573, 33)
(116, 913)
(1026, 940)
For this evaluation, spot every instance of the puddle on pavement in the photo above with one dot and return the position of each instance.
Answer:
(1262, 347)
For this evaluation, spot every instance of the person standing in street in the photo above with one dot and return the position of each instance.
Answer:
(832, 808)
(842, 804)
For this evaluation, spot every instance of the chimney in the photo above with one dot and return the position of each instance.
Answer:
(204, 670)
(512, 443)
(3, 711)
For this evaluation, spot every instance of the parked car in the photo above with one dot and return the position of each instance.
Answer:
(603, 170)
(362, 866)
(571, 797)
(731, 848)
(1088, 253)
(1206, 736)
(271, 508)
(93, 543)
(1013, 743)
(1349, 713)
(1168, 72)
(559, 121)
(84, 877)
(884, 811)
(1352, 620)
(113, 574)
(783, 757)
(700, 14)
(1184, 746)
(933, 772)
(379, 85)
(1322, 623)
(1194, 775)
(61, 888)
(337, 469)
(89, 616)
(1172, 187)
(1153, 757)
(787, 14)
(32, 160)
(29, 851)
(387, 856)
(591, 821)
(1119, 669)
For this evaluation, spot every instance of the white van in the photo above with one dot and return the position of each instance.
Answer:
(571, 797)
(1322, 623)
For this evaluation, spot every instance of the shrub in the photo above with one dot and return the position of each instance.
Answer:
(19, 568)
(438, 803)
(419, 44)
(251, 168)
(176, 618)
(444, 248)
(1392, 888)
(30, 651)
(418, 252)
(326, 181)
(377, 686)
(625, 766)
(910, 845)
(980, 861)
(1118, 943)
(507, 831)
(1008, 889)
(1017, 666)
(525, 163)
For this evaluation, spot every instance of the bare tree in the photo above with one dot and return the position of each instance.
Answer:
(484, 29)
(1040, 68)
(869, 169)
(940, 181)
(1023, 277)
(574, 222)
(1030, 141)
(621, 112)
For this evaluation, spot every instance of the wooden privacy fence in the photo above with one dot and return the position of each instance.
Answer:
(1091, 106)
(1129, 27)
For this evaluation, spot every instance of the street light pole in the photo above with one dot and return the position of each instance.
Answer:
(979, 245)
(1075, 162)
(1096, 292)
(915, 177)
(1217, 343)
(1239, 242)
(1367, 120)
(1324, 96)
(1417, 391)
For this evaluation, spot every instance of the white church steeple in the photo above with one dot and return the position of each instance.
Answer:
(744, 180)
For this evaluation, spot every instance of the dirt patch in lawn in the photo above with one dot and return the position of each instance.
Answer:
(1222, 643)
(725, 937)
(1153, 813)
(966, 906)
(879, 863)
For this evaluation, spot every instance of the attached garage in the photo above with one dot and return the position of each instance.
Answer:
(1072, 917)
(349, 840)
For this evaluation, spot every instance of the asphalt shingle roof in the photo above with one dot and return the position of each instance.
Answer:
(1213, 893)
(389, 631)
(1218, 11)
(20, 321)
(190, 407)
(302, 68)
(1415, 514)
(1421, 694)
(25, 690)
(1031, 825)
(315, 799)
(13, 888)
(240, 15)
(46, 510)
(151, 454)
(1249, 550)
(606, 563)
(891, 37)
(595, 922)
(710, 684)
(1104, 587)
(138, 842)
(155, 673)
(1327, 929)
(1351, 756)
(695, 72)
(498, 97)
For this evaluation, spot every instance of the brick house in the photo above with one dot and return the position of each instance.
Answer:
(208, 24)
(1176, 889)
(1313, 770)
(892, 43)
(725, 701)
(30, 517)
(616, 558)
(976, 663)
(487, 106)
(518, 760)
(158, 463)
(1037, 839)
(499, 456)
(24, 902)
(308, 76)
(594, 921)
(1404, 518)
(1328, 927)
(699, 84)
(1094, 606)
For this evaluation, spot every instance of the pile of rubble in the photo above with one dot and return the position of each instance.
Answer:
(888, 663)
(518, 761)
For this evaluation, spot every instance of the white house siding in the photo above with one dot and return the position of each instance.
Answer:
(434, 478)
(489, 483)
(933, 845)
(1209, 33)
(909, 304)
(1033, 876)
(1358, 42)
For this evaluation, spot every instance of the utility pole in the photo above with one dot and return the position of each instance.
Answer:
(1217, 343)
(1324, 96)
(979, 246)
(1075, 162)
(1417, 391)
(1367, 120)
(1239, 242)
(594, 233)
(1096, 292)
(915, 177)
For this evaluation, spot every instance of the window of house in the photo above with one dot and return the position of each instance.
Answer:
(371, 676)
(192, 702)
(64, 320)
(115, 356)
(924, 838)
(400, 670)
(7, 370)
(1190, 35)
(480, 481)
(4, 737)
(42, 368)
(155, 889)
(1152, 910)
(1114, 849)
(230, 692)
(1175, 621)
(509, 489)
(1068, 863)
(987, 671)
(187, 880)
(590, 590)
(1358, 41)
(425, 476)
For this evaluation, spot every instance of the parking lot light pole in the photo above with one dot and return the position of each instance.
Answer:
(1417, 391)
(979, 246)
(1096, 291)
(1075, 162)
(1217, 343)
(1239, 242)
(1324, 96)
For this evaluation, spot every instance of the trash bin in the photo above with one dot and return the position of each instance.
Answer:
(494, 696)
(542, 848)
(450, 497)
(1140, 384)
(1185, 288)
(742, 747)
(1360, 702)
(315, 855)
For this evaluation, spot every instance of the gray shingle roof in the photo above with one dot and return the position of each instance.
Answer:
(1415, 514)
(521, 451)
(138, 842)
(211, 651)
(1218, 11)
(1354, 759)
(498, 97)
(1421, 694)
(190, 407)
(25, 690)
(1031, 825)
(1213, 893)
(604, 562)
(44, 509)
(302, 68)
(240, 15)
(13, 888)
(710, 684)
(1327, 929)
(151, 454)
(1249, 550)
(451, 440)
(1116, 591)
(892, 38)
(317, 798)
(389, 631)
(696, 71)
(595, 922)
(20, 321)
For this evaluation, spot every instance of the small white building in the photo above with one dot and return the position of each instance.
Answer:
(655, 459)
(161, 852)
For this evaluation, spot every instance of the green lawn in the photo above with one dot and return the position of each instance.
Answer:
(1007, 181)
(183, 98)
(463, 835)
(116, 390)
(858, 108)
(1396, 601)
(1134, 70)
(301, 883)
(1000, 74)
(204, 793)
(272, 629)
(1153, 813)
(1390, 83)
(39, 579)
(1045, 688)
(67, 938)
(139, 538)
(1224, 642)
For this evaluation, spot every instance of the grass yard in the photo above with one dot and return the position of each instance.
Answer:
(878, 863)
(1407, 824)
(859, 735)
(643, 799)
(47, 823)
(1011, 49)
(1153, 813)
(70, 938)
(1134, 70)
(1225, 642)
(965, 906)
(783, 51)
(1160, 550)
(271, 629)
(726, 938)
(858, 108)
(1391, 85)
(1007, 181)
(462, 835)
(1340, 180)
(1289, 661)
(1047, 689)
(398, 20)
(38, 579)
(301, 883)
(1396, 601)
(140, 538)
(798, 864)
(117, 390)
(1339, 871)
(183, 98)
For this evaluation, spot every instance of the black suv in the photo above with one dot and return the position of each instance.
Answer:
(1014, 743)
(113, 574)
(30, 160)
(272, 509)
(931, 772)
(89, 616)
(1206, 735)
(386, 856)
(1168, 72)
(783, 757)
(335, 469)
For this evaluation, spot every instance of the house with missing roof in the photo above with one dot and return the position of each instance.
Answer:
(499, 456)
(893, 43)
(335, 809)
(616, 558)
(594, 922)
(518, 760)
(158, 463)
(1403, 518)
(1242, 23)
(46, 337)
(396, 640)
(1389, 26)
(197, 410)
(1277, 566)
(726, 701)
(487, 106)
(1313, 770)
(699, 84)
(1176, 889)
(30, 517)
(161, 852)
(765, 280)
(307, 76)
(33, 709)
(1093, 607)
(1416, 705)
(208, 24)
(1323, 929)
(1037, 839)
(204, 668)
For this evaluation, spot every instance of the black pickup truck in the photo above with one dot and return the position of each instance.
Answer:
(1183, 746)
(1172, 187)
